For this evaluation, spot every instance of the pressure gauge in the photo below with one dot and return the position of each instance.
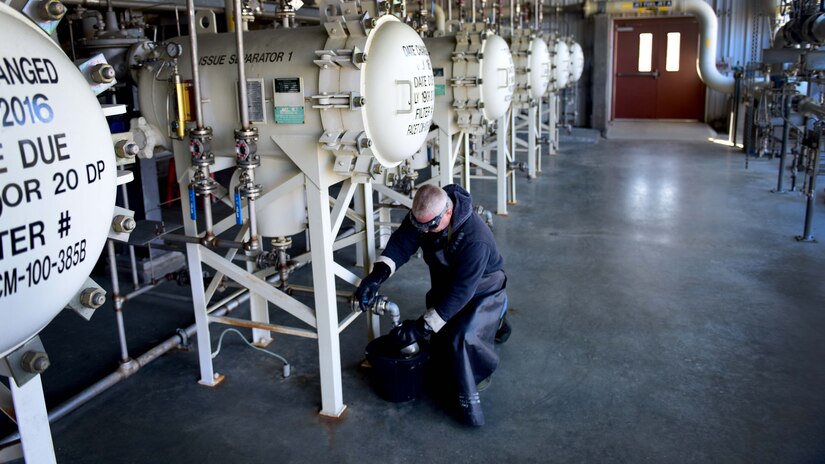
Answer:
(173, 49)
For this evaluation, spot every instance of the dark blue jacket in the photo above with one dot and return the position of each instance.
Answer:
(459, 257)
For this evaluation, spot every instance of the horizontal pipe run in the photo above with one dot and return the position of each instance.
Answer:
(226, 305)
(341, 294)
(306, 14)
(282, 329)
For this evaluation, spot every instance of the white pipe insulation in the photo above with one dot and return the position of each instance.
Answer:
(708, 32)
(440, 19)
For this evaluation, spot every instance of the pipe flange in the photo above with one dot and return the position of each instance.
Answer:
(205, 186)
(251, 191)
(204, 133)
(281, 243)
(247, 134)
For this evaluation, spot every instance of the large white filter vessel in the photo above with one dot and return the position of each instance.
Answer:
(352, 93)
(561, 64)
(57, 180)
(533, 67)
(576, 60)
(474, 78)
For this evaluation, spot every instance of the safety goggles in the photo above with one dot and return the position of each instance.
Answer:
(431, 225)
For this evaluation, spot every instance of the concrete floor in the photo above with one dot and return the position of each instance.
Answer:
(639, 129)
(662, 312)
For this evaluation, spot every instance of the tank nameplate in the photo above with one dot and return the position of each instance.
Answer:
(288, 100)
(289, 115)
(440, 82)
(255, 100)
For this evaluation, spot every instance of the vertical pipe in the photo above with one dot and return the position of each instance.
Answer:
(117, 302)
(786, 130)
(132, 259)
(242, 103)
(737, 90)
(813, 172)
(193, 52)
(121, 334)
(207, 214)
(253, 221)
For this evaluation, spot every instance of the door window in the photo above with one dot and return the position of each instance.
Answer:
(645, 52)
(674, 40)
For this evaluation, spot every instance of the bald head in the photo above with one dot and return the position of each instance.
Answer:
(429, 202)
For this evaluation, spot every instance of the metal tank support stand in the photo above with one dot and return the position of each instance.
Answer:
(23, 402)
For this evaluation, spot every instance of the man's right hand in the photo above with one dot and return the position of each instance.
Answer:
(365, 293)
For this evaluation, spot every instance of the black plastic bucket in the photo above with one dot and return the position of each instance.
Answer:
(394, 377)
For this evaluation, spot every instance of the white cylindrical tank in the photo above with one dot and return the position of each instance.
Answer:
(540, 67)
(560, 55)
(474, 78)
(367, 95)
(576, 60)
(533, 67)
(57, 180)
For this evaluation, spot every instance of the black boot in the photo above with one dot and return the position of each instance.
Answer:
(504, 330)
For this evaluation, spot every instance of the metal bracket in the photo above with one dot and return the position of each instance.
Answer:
(87, 299)
(20, 365)
(87, 68)
(46, 14)
(123, 223)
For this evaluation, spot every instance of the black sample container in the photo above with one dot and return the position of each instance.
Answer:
(394, 377)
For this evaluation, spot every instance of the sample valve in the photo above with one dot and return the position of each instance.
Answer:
(202, 184)
(247, 158)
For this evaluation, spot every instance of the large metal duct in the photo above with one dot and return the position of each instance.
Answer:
(706, 63)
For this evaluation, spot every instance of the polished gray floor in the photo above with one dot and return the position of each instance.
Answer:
(662, 312)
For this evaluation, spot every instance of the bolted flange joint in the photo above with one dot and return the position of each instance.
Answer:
(92, 297)
(246, 147)
(35, 362)
(102, 73)
(126, 149)
(200, 146)
(123, 224)
(202, 183)
(52, 10)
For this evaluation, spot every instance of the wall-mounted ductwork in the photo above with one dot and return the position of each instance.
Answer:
(708, 24)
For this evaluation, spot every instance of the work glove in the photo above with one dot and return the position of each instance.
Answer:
(409, 332)
(365, 293)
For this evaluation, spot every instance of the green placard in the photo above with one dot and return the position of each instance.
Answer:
(289, 115)
(440, 89)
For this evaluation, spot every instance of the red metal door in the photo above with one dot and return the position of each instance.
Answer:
(655, 70)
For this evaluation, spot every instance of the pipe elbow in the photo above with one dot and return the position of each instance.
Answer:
(395, 313)
(708, 29)
(440, 20)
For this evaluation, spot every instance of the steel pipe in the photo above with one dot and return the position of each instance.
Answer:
(193, 55)
(243, 109)
(787, 104)
(306, 14)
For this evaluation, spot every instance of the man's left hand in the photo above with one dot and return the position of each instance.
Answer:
(409, 332)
